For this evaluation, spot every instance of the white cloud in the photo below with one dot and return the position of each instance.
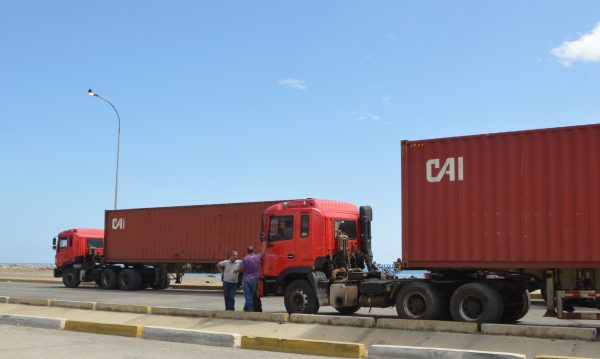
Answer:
(586, 48)
(387, 100)
(294, 84)
(365, 116)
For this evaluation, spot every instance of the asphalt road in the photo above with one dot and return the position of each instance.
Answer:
(213, 300)
(17, 343)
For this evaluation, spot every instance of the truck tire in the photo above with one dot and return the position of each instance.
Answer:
(348, 310)
(164, 282)
(477, 303)
(515, 312)
(71, 278)
(421, 300)
(130, 279)
(109, 278)
(299, 297)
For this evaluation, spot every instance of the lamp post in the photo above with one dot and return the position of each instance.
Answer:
(92, 93)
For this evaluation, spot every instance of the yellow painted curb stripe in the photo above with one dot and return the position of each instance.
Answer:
(301, 346)
(104, 328)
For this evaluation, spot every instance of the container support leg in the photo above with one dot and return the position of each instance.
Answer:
(550, 310)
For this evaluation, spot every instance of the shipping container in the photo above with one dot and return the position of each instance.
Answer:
(528, 199)
(188, 234)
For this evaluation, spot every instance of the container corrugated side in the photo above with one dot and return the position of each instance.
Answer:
(186, 234)
(527, 199)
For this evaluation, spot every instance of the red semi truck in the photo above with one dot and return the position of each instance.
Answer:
(489, 217)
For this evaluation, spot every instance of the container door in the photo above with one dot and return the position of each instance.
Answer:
(281, 247)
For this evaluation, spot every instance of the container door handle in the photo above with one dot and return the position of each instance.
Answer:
(290, 256)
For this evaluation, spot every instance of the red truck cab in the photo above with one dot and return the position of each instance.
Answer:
(303, 247)
(73, 245)
(302, 232)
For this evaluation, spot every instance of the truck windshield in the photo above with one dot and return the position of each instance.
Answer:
(95, 243)
(347, 227)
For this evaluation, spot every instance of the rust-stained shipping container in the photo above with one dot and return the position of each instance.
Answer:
(527, 199)
(188, 234)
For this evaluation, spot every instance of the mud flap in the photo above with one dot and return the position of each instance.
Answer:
(318, 280)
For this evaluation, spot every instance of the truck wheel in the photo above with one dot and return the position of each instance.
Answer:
(421, 300)
(130, 279)
(515, 312)
(348, 310)
(477, 303)
(109, 279)
(163, 283)
(71, 278)
(299, 297)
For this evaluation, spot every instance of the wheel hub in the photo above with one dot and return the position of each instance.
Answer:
(299, 301)
(415, 305)
(471, 308)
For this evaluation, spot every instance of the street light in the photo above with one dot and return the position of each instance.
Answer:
(92, 93)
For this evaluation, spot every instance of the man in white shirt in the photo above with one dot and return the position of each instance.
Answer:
(229, 276)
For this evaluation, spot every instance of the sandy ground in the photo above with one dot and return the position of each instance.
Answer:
(45, 274)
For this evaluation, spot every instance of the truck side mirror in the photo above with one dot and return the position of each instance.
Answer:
(54, 243)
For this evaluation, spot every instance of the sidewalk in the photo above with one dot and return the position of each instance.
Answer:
(368, 336)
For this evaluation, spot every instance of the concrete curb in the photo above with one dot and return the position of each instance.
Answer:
(301, 346)
(534, 331)
(557, 357)
(29, 301)
(38, 281)
(338, 320)
(427, 325)
(405, 352)
(127, 308)
(91, 284)
(259, 316)
(198, 287)
(72, 304)
(192, 336)
(183, 312)
(123, 330)
(36, 322)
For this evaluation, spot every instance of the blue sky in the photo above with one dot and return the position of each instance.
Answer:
(233, 101)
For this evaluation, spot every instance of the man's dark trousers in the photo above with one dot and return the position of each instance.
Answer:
(229, 294)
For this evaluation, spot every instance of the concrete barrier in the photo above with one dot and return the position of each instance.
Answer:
(537, 294)
(27, 321)
(127, 308)
(29, 301)
(72, 304)
(405, 352)
(183, 312)
(540, 331)
(3, 299)
(92, 284)
(36, 281)
(104, 328)
(196, 287)
(347, 321)
(427, 325)
(192, 336)
(301, 346)
(260, 316)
